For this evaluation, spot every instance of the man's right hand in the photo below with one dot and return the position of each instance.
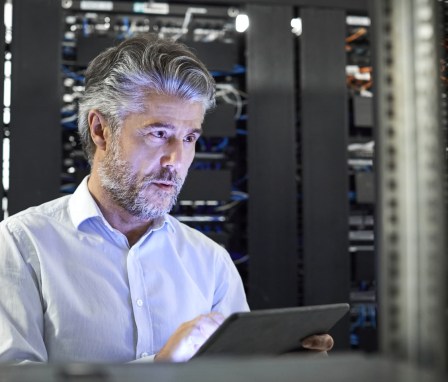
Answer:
(189, 337)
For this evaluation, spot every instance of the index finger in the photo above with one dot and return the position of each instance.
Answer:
(217, 317)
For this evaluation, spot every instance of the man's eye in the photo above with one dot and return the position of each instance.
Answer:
(158, 134)
(190, 138)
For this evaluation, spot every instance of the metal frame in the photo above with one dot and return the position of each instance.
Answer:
(35, 104)
(411, 207)
(2, 79)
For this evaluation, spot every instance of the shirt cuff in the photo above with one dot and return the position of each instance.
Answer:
(146, 359)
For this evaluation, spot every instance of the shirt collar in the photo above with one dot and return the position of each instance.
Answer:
(83, 207)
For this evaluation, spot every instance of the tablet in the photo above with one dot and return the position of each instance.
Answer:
(270, 331)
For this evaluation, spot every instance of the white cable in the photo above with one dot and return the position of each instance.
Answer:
(241, 260)
(187, 19)
(228, 206)
(72, 118)
(368, 146)
(223, 92)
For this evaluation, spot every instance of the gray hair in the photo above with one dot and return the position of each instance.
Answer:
(119, 80)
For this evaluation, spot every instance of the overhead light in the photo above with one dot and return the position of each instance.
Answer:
(296, 25)
(241, 23)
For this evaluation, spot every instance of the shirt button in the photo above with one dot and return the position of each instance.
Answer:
(139, 302)
(144, 354)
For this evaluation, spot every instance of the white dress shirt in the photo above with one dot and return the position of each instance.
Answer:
(72, 290)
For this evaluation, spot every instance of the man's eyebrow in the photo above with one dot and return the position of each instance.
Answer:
(197, 131)
(170, 126)
(160, 124)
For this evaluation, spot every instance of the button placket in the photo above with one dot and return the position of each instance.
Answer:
(142, 319)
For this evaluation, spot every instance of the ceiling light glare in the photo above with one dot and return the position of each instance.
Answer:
(296, 25)
(241, 23)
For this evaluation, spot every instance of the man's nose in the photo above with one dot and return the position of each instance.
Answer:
(173, 153)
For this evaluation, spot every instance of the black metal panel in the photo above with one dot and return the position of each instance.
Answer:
(88, 47)
(363, 111)
(220, 122)
(2, 79)
(272, 214)
(216, 55)
(35, 103)
(207, 185)
(324, 140)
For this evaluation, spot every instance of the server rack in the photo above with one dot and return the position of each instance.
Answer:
(272, 220)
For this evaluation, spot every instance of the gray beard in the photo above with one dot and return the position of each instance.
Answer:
(127, 191)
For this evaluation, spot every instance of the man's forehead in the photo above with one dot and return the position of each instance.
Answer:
(175, 107)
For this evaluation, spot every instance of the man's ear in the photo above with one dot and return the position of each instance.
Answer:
(99, 129)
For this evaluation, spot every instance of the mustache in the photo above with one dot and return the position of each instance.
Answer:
(164, 175)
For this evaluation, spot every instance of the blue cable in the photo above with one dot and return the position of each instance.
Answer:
(237, 69)
(241, 132)
(84, 27)
(73, 75)
(70, 126)
(202, 144)
(127, 25)
(354, 339)
(221, 145)
(373, 316)
(67, 113)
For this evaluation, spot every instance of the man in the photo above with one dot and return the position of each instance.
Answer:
(106, 275)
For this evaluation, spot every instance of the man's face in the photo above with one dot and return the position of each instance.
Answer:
(145, 166)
